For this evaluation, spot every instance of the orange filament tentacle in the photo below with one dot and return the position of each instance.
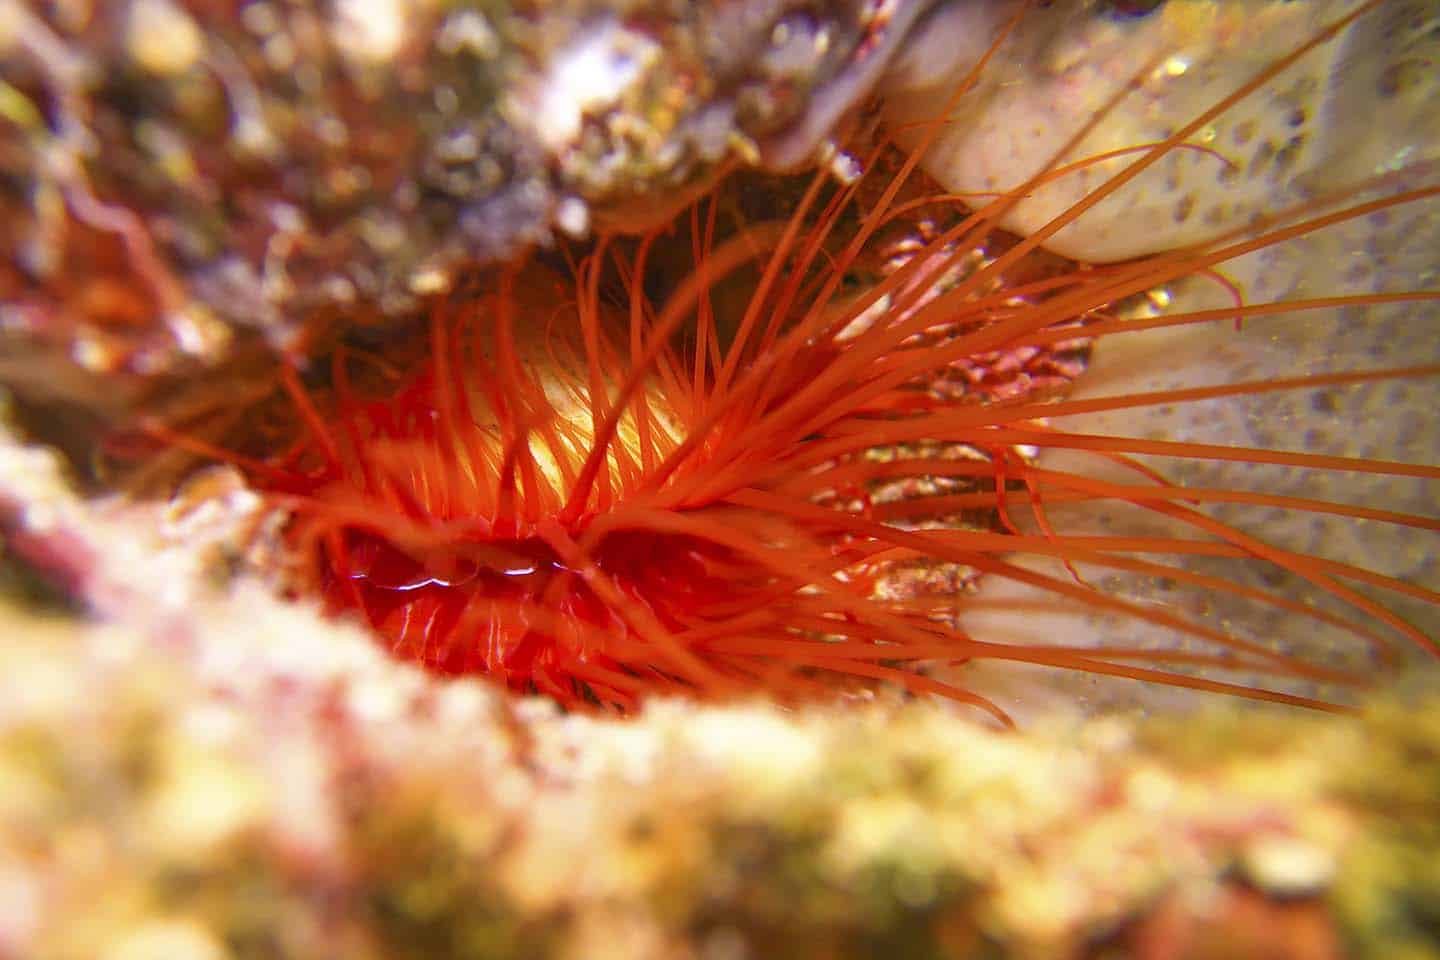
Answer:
(590, 508)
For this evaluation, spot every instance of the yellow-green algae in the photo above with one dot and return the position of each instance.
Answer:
(143, 815)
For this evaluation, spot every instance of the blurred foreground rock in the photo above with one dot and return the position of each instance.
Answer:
(280, 788)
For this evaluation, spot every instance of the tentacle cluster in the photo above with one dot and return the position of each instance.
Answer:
(599, 507)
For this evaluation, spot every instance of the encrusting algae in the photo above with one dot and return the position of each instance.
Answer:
(372, 815)
(198, 769)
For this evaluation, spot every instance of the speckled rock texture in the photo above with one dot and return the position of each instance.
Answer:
(1391, 420)
(177, 175)
(1353, 109)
